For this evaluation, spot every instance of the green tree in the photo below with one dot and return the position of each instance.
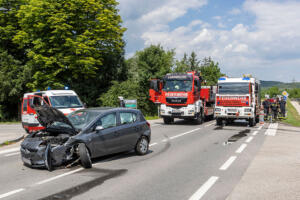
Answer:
(14, 73)
(152, 62)
(182, 65)
(193, 62)
(210, 71)
(67, 41)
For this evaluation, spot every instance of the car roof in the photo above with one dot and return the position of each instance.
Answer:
(104, 109)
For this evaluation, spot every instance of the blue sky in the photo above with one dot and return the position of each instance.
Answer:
(257, 37)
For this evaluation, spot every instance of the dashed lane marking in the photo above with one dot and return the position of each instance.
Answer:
(12, 154)
(153, 144)
(241, 148)
(59, 176)
(259, 128)
(11, 193)
(204, 188)
(10, 150)
(255, 132)
(228, 163)
(249, 139)
(272, 129)
(209, 124)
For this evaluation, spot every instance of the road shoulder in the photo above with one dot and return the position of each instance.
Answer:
(274, 172)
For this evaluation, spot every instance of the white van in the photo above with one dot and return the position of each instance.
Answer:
(66, 101)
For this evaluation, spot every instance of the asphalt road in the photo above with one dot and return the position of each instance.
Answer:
(185, 161)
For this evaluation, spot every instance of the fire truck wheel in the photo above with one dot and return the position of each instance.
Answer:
(199, 119)
(252, 122)
(219, 122)
(168, 120)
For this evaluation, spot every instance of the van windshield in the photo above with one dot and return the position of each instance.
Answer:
(65, 102)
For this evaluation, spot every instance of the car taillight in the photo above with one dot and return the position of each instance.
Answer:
(148, 124)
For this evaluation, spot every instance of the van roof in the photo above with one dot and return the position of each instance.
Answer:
(52, 93)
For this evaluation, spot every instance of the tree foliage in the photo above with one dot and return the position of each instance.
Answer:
(68, 38)
(152, 62)
(55, 43)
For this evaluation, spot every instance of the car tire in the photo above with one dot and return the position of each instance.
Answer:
(84, 156)
(168, 120)
(142, 146)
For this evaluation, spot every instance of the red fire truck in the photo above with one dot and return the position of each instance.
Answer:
(238, 98)
(181, 95)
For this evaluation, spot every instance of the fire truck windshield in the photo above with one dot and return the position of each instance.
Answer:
(178, 85)
(233, 88)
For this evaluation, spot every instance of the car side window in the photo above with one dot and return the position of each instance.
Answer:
(107, 121)
(127, 117)
(25, 105)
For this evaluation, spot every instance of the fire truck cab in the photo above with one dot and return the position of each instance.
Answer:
(181, 95)
(237, 98)
(66, 101)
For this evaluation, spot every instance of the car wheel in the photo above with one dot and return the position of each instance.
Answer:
(84, 156)
(142, 146)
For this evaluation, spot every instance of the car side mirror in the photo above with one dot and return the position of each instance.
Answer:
(99, 128)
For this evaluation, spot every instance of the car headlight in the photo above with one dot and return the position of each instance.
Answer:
(218, 109)
(247, 110)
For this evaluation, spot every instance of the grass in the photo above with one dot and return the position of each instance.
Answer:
(293, 117)
(151, 117)
(10, 122)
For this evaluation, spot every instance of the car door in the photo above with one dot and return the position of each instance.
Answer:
(105, 141)
(129, 130)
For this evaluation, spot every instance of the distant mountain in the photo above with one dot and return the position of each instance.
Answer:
(280, 85)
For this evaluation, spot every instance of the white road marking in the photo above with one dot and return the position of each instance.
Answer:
(156, 125)
(209, 124)
(155, 143)
(59, 176)
(12, 154)
(272, 129)
(182, 134)
(259, 128)
(255, 132)
(10, 150)
(249, 139)
(228, 163)
(241, 148)
(11, 193)
(204, 188)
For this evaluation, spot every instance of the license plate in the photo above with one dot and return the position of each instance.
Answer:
(26, 160)
(176, 111)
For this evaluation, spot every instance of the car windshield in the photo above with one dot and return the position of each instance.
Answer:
(82, 118)
(233, 88)
(177, 85)
(65, 102)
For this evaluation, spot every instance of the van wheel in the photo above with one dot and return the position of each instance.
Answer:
(142, 146)
(84, 156)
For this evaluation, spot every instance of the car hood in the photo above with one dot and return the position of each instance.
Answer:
(47, 115)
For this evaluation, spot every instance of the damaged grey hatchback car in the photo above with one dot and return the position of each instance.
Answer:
(83, 135)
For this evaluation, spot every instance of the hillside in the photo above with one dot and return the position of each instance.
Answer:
(280, 85)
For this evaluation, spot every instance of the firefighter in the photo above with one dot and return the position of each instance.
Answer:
(266, 105)
(282, 104)
(274, 108)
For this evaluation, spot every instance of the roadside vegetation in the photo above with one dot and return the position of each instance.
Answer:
(79, 44)
(293, 117)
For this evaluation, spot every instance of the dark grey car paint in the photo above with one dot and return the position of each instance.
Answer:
(107, 141)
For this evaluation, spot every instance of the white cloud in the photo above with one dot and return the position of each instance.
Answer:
(269, 48)
(235, 11)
